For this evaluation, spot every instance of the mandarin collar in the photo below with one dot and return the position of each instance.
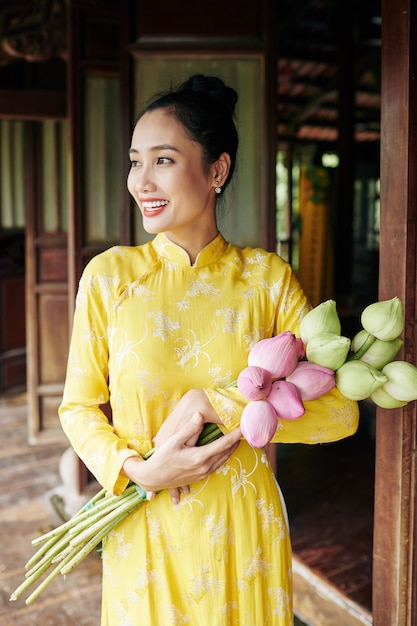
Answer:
(169, 250)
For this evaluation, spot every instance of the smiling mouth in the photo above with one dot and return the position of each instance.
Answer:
(154, 204)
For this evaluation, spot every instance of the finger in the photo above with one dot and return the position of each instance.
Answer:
(175, 495)
(191, 429)
(223, 457)
(150, 495)
(223, 444)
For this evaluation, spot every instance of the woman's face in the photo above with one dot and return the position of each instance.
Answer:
(169, 181)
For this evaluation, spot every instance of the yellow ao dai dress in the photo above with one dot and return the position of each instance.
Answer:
(148, 327)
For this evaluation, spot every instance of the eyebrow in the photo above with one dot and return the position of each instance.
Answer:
(162, 146)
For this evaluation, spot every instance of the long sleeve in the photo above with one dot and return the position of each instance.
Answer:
(329, 418)
(86, 387)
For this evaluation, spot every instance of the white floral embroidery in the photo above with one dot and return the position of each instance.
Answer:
(197, 289)
(105, 283)
(75, 369)
(285, 304)
(228, 610)
(124, 348)
(123, 615)
(203, 582)
(90, 335)
(191, 350)
(232, 319)
(175, 615)
(269, 519)
(123, 548)
(255, 566)
(283, 602)
(142, 292)
(345, 416)
(227, 409)
(252, 337)
(164, 326)
(147, 576)
(191, 499)
(218, 377)
(158, 533)
(224, 469)
(240, 478)
(91, 419)
(273, 290)
(218, 530)
(258, 260)
(95, 461)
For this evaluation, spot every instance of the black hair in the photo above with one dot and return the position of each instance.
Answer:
(205, 107)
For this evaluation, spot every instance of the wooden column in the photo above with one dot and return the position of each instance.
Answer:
(395, 535)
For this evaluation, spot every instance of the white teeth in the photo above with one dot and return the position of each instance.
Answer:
(154, 205)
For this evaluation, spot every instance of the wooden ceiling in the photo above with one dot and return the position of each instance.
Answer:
(328, 61)
(328, 51)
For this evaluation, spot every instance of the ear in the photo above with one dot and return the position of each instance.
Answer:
(220, 169)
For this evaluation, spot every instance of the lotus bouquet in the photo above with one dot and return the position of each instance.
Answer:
(284, 371)
(277, 381)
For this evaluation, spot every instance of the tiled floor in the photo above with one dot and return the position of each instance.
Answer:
(26, 475)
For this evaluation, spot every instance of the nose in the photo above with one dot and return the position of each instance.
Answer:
(145, 182)
(140, 180)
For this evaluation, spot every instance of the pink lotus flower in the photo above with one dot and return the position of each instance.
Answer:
(301, 348)
(286, 400)
(312, 380)
(254, 382)
(278, 355)
(258, 423)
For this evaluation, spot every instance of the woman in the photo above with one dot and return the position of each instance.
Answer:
(160, 330)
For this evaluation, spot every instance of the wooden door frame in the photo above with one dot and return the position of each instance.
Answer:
(395, 528)
(45, 279)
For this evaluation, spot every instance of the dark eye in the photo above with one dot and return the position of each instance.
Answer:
(134, 163)
(164, 160)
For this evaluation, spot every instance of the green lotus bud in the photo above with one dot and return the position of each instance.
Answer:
(384, 320)
(328, 349)
(357, 380)
(323, 318)
(402, 380)
(385, 401)
(365, 347)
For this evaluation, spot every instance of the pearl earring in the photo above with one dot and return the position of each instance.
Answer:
(218, 189)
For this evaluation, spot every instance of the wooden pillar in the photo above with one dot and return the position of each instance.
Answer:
(395, 534)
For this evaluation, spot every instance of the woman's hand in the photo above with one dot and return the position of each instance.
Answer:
(194, 401)
(176, 463)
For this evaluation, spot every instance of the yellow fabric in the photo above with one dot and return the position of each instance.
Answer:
(150, 326)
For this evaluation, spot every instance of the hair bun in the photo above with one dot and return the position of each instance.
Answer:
(214, 88)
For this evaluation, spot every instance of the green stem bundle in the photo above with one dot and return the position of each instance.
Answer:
(68, 544)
